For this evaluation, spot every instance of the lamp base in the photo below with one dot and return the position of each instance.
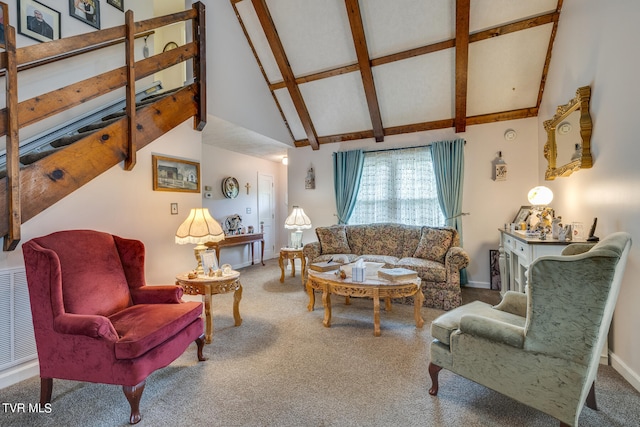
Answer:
(296, 239)
(198, 250)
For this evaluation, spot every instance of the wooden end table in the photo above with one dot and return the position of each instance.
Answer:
(291, 254)
(372, 287)
(208, 286)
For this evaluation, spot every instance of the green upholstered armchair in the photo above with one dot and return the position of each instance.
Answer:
(542, 347)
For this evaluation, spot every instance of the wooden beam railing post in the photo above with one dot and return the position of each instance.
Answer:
(199, 65)
(130, 27)
(14, 217)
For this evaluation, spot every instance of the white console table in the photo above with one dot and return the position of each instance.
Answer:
(517, 251)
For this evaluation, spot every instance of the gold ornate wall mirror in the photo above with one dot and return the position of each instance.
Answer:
(568, 146)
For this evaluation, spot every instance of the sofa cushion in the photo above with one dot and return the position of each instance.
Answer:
(143, 327)
(382, 238)
(389, 261)
(333, 240)
(430, 271)
(434, 244)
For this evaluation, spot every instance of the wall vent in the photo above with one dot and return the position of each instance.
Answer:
(17, 342)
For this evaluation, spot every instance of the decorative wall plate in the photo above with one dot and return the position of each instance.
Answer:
(230, 187)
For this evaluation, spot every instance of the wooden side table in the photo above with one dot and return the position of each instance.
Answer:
(291, 254)
(208, 286)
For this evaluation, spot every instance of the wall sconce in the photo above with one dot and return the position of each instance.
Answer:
(500, 168)
(145, 49)
(285, 160)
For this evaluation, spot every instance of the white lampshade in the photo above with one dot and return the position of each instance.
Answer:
(199, 228)
(297, 219)
(540, 196)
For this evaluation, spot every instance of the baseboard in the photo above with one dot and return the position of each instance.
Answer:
(19, 373)
(626, 372)
(479, 285)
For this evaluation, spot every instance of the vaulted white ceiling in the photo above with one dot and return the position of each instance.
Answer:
(341, 70)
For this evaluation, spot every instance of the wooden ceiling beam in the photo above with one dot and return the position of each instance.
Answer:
(273, 39)
(364, 63)
(522, 113)
(435, 47)
(547, 61)
(462, 62)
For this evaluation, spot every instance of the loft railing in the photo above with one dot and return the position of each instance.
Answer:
(28, 190)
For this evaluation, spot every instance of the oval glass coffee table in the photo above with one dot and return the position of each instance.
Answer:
(371, 287)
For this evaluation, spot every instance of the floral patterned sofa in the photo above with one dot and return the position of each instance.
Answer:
(434, 252)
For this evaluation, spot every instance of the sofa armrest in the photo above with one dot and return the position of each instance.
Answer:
(90, 325)
(311, 251)
(456, 258)
(167, 294)
(514, 303)
(492, 330)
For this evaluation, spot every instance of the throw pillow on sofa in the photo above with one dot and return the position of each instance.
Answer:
(434, 244)
(333, 240)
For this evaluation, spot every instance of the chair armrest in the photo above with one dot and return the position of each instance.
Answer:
(90, 325)
(577, 248)
(167, 294)
(456, 258)
(311, 251)
(492, 330)
(514, 303)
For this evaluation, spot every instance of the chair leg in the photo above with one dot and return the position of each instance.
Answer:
(46, 387)
(200, 343)
(434, 370)
(591, 398)
(133, 394)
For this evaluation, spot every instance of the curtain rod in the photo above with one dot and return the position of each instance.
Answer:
(402, 148)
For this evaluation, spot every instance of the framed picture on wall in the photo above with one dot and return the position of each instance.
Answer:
(88, 11)
(4, 12)
(171, 174)
(38, 21)
(118, 4)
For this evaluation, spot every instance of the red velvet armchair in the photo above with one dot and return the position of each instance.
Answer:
(96, 320)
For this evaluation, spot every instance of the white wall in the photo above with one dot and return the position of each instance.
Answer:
(124, 203)
(490, 203)
(592, 48)
(217, 164)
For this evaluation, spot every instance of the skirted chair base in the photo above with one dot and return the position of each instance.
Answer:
(96, 320)
(541, 348)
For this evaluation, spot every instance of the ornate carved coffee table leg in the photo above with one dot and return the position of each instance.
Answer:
(237, 296)
(312, 296)
(208, 335)
(326, 301)
(376, 312)
(417, 308)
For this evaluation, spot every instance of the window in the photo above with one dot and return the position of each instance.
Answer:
(398, 186)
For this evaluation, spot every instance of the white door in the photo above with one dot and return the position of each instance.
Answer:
(266, 213)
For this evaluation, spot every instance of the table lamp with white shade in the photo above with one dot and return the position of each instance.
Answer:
(297, 221)
(540, 197)
(197, 229)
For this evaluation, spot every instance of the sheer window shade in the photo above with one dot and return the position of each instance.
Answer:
(398, 186)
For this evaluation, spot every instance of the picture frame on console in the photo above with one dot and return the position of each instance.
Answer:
(522, 215)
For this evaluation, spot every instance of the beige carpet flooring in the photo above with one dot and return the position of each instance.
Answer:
(281, 367)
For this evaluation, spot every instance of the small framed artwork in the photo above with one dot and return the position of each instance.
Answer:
(38, 21)
(494, 269)
(4, 11)
(522, 215)
(170, 174)
(118, 4)
(88, 11)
